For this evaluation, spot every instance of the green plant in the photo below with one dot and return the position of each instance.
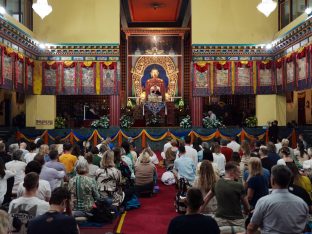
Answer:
(60, 122)
(251, 122)
(186, 122)
(153, 120)
(126, 121)
(211, 123)
(103, 122)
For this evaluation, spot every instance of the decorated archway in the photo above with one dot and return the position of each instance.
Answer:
(147, 62)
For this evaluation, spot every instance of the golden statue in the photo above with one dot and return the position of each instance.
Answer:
(155, 86)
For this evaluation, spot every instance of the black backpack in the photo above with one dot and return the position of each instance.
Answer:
(180, 205)
(102, 212)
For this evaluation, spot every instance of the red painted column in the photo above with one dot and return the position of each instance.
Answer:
(197, 111)
(114, 110)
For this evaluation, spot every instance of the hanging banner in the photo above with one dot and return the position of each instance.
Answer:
(201, 79)
(222, 78)
(290, 73)
(69, 78)
(29, 74)
(7, 64)
(108, 74)
(19, 73)
(280, 81)
(50, 81)
(266, 83)
(243, 77)
(87, 78)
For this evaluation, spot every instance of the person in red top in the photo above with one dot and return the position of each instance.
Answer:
(226, 150)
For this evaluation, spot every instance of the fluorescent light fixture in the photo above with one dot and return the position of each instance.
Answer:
(267, 7)
(2, 10)
(42, 8)
(308, 11)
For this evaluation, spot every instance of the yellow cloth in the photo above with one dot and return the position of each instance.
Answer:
(305, 183)
(69, 161)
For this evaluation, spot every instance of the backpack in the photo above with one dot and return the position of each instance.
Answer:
(102, 212)
(180, 197)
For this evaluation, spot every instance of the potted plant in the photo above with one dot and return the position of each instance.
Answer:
(186, 122)
(103, 122)
(60, 122)
(251, 122)
(211, 123)
(126, 121)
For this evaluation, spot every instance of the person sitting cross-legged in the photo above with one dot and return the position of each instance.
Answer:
(280, 211)
(54, 221)
(193, 221)
(230, 196)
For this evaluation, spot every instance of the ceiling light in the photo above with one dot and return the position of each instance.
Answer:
(2, 10)
(308, 11)
(42, 46)
(267, 7)
(269, 46)
(42, 8)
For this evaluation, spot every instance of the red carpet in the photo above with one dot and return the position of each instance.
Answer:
(155, 213)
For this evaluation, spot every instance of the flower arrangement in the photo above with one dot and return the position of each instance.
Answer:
(103, 122)
(211, 123)
(251, 122)
(153, 120)
(60, 122)
(126, 121)
(186, 122)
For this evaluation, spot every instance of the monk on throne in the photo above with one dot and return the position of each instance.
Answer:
(155, 86)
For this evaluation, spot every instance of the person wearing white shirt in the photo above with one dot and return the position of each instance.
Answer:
(190, 151)
(44, 189)
(278, 145)
(234, 145)
(4, 176)
(212, 115)
(31, 154)
(28, 206)
(17, 166)
(166, 147)
(219, 159)
(92, 168)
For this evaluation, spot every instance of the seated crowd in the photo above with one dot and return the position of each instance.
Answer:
(38, 183)
(235, 181)
(224, 186)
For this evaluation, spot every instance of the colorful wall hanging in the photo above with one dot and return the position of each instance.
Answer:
(87, 78)
(108, 71)
(50, 82)
(201, 81)
(266, 82)
(222, 83)
(244, 77)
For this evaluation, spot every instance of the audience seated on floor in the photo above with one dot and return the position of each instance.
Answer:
(193, 221)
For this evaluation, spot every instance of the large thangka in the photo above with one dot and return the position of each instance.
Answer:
(108, 76)
(266, 82)
(201, 81)
(7, 68)
(87, 78)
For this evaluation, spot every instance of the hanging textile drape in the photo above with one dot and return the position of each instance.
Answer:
(7, 64)
(108, 74)
(244, 77)
(87, 78)
(266, 82)
(280, 80)
(302, 68)
(50, 81)
(290, 72)
(19, 73)
(201, 79)
(29, 74)
(69, 78)
(222, 83)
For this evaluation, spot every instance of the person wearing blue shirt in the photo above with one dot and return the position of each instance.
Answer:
(184, 166)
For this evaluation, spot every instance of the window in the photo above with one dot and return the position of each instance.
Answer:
(289, 10)
(21, 10)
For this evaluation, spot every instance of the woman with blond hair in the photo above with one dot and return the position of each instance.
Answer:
(109, 179)
(205, 181)
(145, 173)
(4, 222)
(44, 150)
(257, 184)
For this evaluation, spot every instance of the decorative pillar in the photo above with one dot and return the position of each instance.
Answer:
(114, 110)
(197, 111)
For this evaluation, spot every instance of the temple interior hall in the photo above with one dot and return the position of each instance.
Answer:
(84, 72)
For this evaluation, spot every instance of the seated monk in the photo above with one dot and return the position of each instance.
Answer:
(155, 81)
